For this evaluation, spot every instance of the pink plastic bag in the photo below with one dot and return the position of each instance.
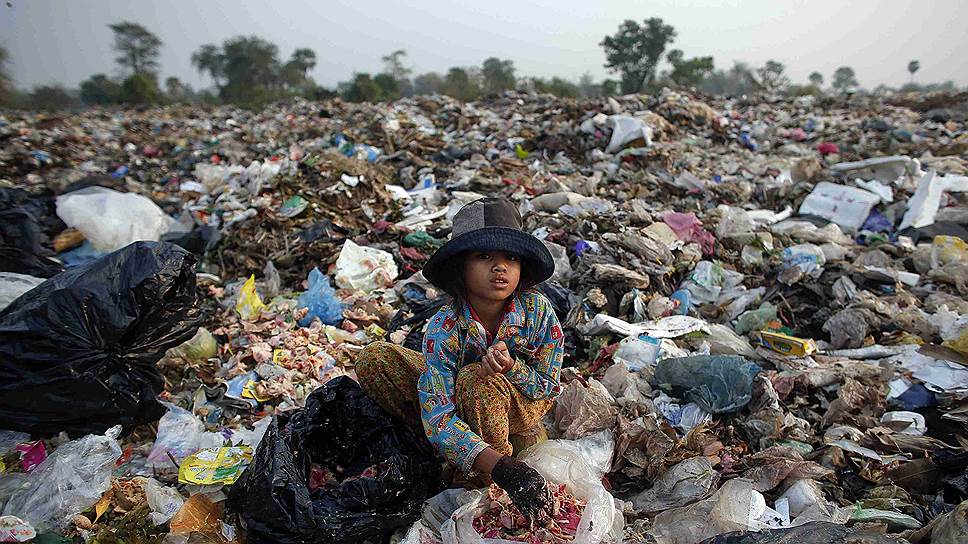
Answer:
(689, 229)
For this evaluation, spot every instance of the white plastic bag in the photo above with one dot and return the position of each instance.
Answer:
(841, 204)
(625, 130)
(69, 481)
(164, 501)
(111, 220)
(364, 268)
(12, 285)
(579, 465)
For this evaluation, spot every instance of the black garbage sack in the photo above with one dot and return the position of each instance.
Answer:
(717, 383)
(23, 240)
(78, 352)
(385, 469)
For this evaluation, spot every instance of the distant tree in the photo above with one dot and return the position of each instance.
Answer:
(140, 89)
(587, 86)
(296, 70)
(51, 98)
(209, 58)
(389, 87)
(635, 50)
(176, 90)
(137, 47)
(99, 90)
(816, 79)
(429, 83)
(737, 81)
(913, 66)
(6, 85)
(771, 77)
(609, 87)
(559, 87)
(688, 73)
(498, 75)
(844, 79)
(393, 65)
(362, 89)
(252, 69)
(460, 85)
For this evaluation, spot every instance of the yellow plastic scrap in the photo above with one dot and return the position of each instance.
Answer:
(249, 304)
(948, 249)
(959, 344)
(215, 465)
(785, 344)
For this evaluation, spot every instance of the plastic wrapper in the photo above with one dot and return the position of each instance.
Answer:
(388, 468)
(215, 465)
(71, 480)
(111, 220)
(364, 268)
(321, 300)
(579, 465)
(735, 506)
(78, 352)
(718, 384)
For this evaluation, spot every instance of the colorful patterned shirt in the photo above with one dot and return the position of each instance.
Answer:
(536, 342)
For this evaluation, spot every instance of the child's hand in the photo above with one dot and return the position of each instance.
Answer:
(497, 360)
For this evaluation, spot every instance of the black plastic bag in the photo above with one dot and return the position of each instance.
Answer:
(23, 240)
(389, 470)
(78, 352)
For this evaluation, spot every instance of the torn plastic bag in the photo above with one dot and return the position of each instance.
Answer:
(389, 470)
(684, 483)
(78, 352)
(718, 384)
(70, 481)
(735, 506)
(579, 465)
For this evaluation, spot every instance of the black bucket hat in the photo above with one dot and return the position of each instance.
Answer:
(489, 224)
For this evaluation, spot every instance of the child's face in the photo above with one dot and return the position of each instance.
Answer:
(491, 275)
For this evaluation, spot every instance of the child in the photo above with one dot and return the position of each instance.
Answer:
(491, 357)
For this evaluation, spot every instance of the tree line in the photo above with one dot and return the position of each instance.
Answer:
(248, 71)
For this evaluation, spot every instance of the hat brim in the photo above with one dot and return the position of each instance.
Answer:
(540, 262)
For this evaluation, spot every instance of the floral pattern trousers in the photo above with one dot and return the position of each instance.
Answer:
(491, 406)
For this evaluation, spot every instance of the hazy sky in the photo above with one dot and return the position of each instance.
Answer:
(68, 40)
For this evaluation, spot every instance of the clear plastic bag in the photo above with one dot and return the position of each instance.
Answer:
(180, 434)
(69, 481)
(579, 465)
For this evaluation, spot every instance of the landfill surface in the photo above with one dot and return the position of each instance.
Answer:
(765, 302)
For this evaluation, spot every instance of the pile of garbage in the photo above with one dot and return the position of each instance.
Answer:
(765, 305)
